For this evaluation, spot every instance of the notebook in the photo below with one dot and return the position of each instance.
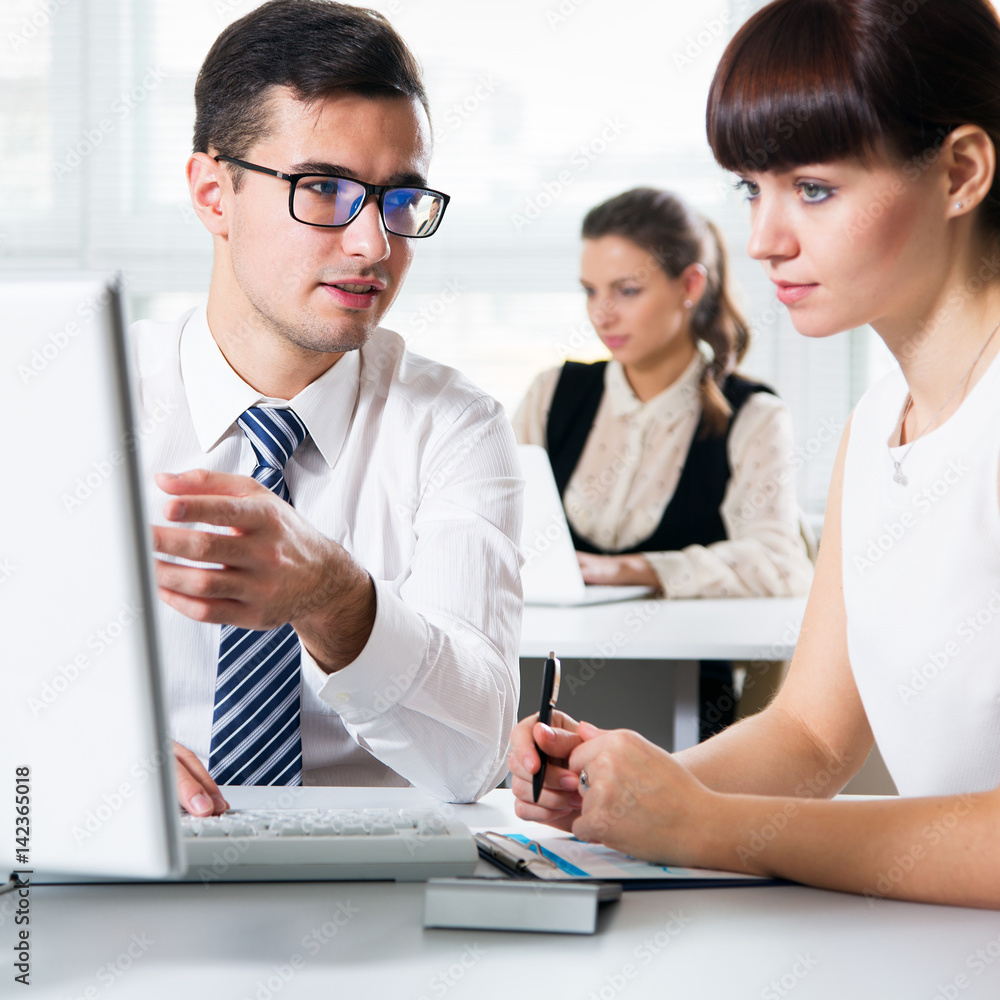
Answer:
(551, 574)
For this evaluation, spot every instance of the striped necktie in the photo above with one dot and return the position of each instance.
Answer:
(255, 724)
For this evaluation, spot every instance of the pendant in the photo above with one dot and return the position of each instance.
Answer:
(898, 476)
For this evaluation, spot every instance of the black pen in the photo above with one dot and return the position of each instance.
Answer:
(550, 692)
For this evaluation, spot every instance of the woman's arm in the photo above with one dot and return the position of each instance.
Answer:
(641, 801)
(814, 736)
(750, 798)
(808, 742)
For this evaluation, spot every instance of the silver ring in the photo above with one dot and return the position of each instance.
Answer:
(584, 783)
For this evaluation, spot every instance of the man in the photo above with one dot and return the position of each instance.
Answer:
(349, 614)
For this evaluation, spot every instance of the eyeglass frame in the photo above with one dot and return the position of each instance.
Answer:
(379, 190)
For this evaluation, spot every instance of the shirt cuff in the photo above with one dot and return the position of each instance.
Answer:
(384, 671)
(676, 574)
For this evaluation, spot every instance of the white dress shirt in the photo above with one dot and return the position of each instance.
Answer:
(631, 464)
(414, 472)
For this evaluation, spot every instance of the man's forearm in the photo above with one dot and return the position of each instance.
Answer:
(771, 754)
(337, 624)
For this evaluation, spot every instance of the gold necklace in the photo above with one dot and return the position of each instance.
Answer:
(897, 474)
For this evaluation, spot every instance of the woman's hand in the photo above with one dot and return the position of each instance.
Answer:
(559, 803)
(617, 571)
(639, 800)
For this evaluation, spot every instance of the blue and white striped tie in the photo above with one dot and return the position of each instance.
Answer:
(256, 738)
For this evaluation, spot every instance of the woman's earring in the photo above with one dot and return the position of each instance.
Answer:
(688, 303)
(958, 206)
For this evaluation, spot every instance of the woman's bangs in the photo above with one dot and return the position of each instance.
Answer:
(788, 96)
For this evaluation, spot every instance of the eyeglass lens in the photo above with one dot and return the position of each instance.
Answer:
(334, 201)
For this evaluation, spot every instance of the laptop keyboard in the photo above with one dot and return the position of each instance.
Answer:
(287, 844)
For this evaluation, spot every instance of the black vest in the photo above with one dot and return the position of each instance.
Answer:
(692, 516)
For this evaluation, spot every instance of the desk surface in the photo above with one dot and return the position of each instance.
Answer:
(276, 941)
(764, 628)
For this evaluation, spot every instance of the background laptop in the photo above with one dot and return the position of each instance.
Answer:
(84, 721)
(551, 573)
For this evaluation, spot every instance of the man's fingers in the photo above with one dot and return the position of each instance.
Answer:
(245, 513)
(196, 789)
(207, 583)
(216, 612)
(199, 482)
(200, 546)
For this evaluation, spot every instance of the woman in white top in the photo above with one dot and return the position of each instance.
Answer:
(866, 143)
(674, 471)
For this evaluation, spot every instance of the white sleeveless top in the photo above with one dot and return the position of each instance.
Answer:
(921, 570)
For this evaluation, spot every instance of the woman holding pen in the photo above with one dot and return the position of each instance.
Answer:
(864, 135)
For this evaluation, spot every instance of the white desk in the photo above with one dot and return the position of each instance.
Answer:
(683, 632)
(234, 941)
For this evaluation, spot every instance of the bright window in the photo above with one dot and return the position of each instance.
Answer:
(542, 108)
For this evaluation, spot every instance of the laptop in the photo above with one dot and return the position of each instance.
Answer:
(86, 751)
(551, 573)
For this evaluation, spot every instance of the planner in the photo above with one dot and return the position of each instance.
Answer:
(560, 858)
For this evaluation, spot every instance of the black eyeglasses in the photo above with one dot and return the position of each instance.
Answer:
(329, 202)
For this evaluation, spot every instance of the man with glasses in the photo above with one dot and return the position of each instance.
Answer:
(338, 560)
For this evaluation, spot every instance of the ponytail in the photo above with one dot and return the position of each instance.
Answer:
(718, 323)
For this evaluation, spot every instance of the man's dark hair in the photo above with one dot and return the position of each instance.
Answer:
(314, 47)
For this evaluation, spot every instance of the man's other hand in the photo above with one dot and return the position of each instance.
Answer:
(196, 789)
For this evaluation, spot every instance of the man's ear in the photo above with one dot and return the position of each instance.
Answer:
(208, 182)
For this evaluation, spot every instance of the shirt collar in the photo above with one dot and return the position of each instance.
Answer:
(676, 399)
(217, 396)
